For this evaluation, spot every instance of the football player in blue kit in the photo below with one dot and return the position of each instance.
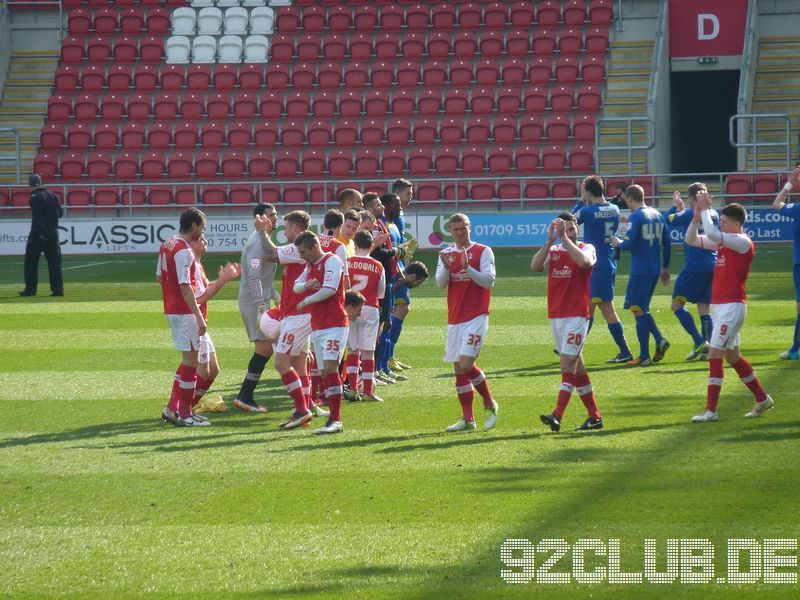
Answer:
(647, 240)
(792, 209)
(600, 220)
(693, 283)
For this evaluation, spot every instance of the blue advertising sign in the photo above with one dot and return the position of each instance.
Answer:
(763, 225)
(511, 229)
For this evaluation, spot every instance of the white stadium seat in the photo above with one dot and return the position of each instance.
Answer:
(236, 21)
(209, 21)
(280, 2)
(230, 49)
(204, 49)
(252, 3)
(256, 49)
(178, 49)
(227, 3)
(183, 21)
(262, 20)
(202, 3)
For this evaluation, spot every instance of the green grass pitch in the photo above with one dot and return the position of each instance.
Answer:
(99, 499)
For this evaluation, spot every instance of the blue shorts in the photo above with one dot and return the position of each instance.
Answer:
(602, 285)
(693, 286)
(797, 282)
(401, 294)
(640, 291)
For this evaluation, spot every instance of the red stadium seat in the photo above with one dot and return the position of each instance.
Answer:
(521, 15)
(403, 103)
(356, 76)
(557, 129)
(79, 196)
(153, 165)
(113, 108)
(271, 106)
(59, 108)
(159, 136)
(562, 99)
(140, 107)
(79, 137)
(391, 18)
(365, 18)
(418, 17)
(45, 165)
(179, 165)
(372, 133)
(224, 77)
(73, 50)
(765, 186)
(361, 47)
(597, 41)
(496, 15)
(313, 19)
(491, 44)
(313, 164)
(382, 75)
(540, 71)
(601, 12)
(52, 137)
(443, 17)
(287, 19)
(513, 72)
(319, 134)
(376, 103)
(434, 74)
(165, 107)
(145, 79)
(482, 190)
(265, 135)
(563, 189)
(186, 136)
(548, 13)
(509, 189)
(158, 20)
(574, 13)
(581, 158)
(239, 135)
(439, 44)
(260, 164)
(173, 78)
(570, 42)
(413, 46)
(282, 48)
(593, 70)
(473, 160)
(340, 18)
(98, 166)
(309, 48)
(534, 100)
(93, 78)
(330, 76)
(152, 50)
(526, 159)
(218, 106)
(589, 98)
(409, 74)
(509, 101)
(478, 130)
(206, 165)
(398, 132)
(482, 102)
(461, 73)
(132, 136)
(487, 72)
(544, 42)
(554, 158)
(126, 49)
(251, 77)
(446, 161)
(455, 192)
(504, 130)
(79, 21)
(198, 78)
(456, 102)
(324, 105)
(465, 44)
(277, 77)
(531, 129)
(518, 43)
(393, 162)
(212, 136)
(86, 108)
(67, 78)
(293, 134)
(738, 184)
(583, 129)
(345, 133)
(126, 166)
(340, 163)
(451, 131)
(387, 46)
(420, 161)
(470, 16)
(98, 50)
(425, 132)
(366, 162)
(500, 160)
(350, 105)
(286, 164)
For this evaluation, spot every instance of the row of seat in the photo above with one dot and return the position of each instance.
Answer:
(206, 49)
(272, 106)
(317, 134)
(123, 49)
(289, 164)
(107, 21)
(171, 3)
(442, 16)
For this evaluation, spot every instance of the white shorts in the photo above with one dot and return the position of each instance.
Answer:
(206, 349)
(295, 332)
(364, 330)
(569, 334)
(185, 334)
(728, 320)
(466, 339)
(329, 344)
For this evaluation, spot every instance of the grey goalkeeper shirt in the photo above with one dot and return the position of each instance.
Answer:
(256, 285)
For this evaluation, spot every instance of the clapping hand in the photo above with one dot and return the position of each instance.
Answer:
(263, 223)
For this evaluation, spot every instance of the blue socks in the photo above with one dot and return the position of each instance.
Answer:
(654, 329)
(643, 334)
(394, 333)
(618, 333)
(385, 350)
(796, 341)
(707, 325)
(687, 321)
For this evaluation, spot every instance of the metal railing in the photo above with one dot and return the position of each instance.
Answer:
(16, 157)
(658, 50)
(751, 124)
(630, 146)
(22, 4)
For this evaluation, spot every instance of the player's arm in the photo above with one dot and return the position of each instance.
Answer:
(158, 269)
(264, 228)
(539, 260)
(631, 235)
(183, 265)
(341, 252)
(584, 257)
(333, 275)
(486, 275)
(442, 274)
(226, 273)
(666, 246)
(735, 241)
(381, 292)
(780, 199)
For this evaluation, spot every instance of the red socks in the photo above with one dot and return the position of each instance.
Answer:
(748, 377)
(175, 395)
(201, 386)
(567, 385)
(466, 394)
(351, 367)
(583, 385)
(333, 393)
(187, 376)
(294, 387)
(715, 377)
(478, 380)
(368, 375)
(306, 381)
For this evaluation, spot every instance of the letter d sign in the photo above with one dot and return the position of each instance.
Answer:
(701, 26)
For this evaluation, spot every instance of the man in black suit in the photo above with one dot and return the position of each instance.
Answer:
(45, 213)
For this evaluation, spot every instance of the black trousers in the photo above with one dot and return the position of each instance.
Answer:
(46, 242)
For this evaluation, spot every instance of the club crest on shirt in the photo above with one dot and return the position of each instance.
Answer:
(721, 260)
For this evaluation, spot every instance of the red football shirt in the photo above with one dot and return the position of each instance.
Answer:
(328, 271)
(465, 298)
(568, 293)
(367, 277)
(730, 275)
(176, 267)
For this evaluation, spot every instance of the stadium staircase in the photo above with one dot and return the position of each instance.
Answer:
(188, 101)
(23, 106)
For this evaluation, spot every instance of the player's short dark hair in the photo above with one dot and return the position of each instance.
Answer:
(736, 212)
(351, 214)
(695, 188)
(35, 180)
(366, 215)
(567, 216)
(298, 217)
(191, 216)
(363, 240)
(635, 192)
(594, 185)
(388, 199)
(349, 194)
(398, 185)
(261, 208)
(307, 239)
(458, 218)
(354, 298)
(417, 269)
(370, 197)
(333, 219)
